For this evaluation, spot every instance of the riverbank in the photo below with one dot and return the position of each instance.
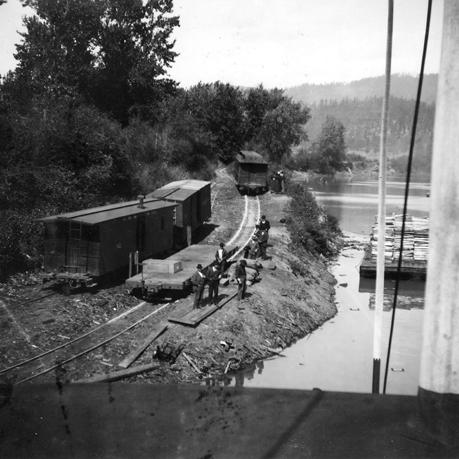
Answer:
(283, 306)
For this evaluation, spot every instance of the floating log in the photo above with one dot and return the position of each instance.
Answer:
(120, 374)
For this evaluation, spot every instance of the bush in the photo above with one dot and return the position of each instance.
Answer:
(310, 227)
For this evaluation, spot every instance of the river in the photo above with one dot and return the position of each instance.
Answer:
(339, 355)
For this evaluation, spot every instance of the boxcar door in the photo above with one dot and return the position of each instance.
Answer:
(73, 249)
(140, 234)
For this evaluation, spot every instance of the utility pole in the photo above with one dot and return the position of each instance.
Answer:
(379, 300)
(439, 379)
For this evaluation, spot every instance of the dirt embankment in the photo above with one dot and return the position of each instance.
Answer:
(278, 310)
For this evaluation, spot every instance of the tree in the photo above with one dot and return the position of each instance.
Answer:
(282, 128)
(329, 151)
(257, 103)
(135, 52)
(114, 53)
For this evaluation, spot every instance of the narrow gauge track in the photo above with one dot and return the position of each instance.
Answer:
(84, 344)
(246, 229)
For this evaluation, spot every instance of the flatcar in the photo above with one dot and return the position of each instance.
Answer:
(251, 173)
(193, 206)
(82, 247)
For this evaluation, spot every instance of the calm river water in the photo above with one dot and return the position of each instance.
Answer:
(339, 355)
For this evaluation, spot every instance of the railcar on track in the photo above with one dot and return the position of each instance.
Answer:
(251, 173)
(84, 246)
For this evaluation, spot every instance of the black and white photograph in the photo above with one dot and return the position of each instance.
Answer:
(229, 229)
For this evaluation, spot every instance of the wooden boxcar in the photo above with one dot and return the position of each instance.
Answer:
(193, 206)
(85, 245)
(251, 173)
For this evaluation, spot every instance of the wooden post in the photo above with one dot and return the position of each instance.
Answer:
(379, 300)
(136, 261)
(188, 235)
(130, 264)
(439, 378)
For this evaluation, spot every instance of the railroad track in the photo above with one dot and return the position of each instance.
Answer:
(246, 228)
(83, 344)
(105, 333)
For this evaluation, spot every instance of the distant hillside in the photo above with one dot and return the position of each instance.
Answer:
(362, 122)
(403, 86)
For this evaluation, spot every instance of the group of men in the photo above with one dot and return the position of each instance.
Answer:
(211, 276)
(259, 242)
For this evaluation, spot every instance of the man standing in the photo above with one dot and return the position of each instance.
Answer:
(198, 279)
(263, 243)
(220, 257)
(213, 276)
(241, 279)
(264, 224)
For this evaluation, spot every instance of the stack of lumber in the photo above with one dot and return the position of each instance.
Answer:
(415, 241)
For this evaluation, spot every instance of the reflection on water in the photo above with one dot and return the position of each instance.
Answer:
(338, 356)
(355, 204)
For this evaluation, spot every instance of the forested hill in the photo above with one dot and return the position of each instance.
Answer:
(362, 122)
(403, 86)
(357, 105)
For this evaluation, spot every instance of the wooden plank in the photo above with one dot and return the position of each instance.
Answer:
(115, 375)
(193, 365)
(196, 316)
(134, 355)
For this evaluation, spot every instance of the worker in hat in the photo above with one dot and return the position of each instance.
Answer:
(220, 257)
(198, 280)
(213, 278)
(262, 243)
(264, 224)
(241, 279)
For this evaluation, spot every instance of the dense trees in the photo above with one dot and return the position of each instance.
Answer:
(89, 115)
(327, 153)
(114, 53)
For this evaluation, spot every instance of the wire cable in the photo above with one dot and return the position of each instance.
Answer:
(407, 188)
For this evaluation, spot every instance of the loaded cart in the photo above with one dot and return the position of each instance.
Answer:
(82, 247)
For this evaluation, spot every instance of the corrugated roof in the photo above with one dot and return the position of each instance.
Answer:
(102, 214)
(247, 156)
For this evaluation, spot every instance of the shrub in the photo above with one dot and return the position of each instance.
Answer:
(310, 227)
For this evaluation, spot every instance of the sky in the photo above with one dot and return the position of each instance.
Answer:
(282, 43)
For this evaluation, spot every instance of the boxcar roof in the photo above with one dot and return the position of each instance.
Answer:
(172, 194)
(188, 184)
(247, 156)
(102, 214)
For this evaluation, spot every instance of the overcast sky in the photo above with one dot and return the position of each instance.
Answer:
(282, 42)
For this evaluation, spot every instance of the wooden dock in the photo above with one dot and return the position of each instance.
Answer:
(410, 268)
(196, 316)
(189, 257)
